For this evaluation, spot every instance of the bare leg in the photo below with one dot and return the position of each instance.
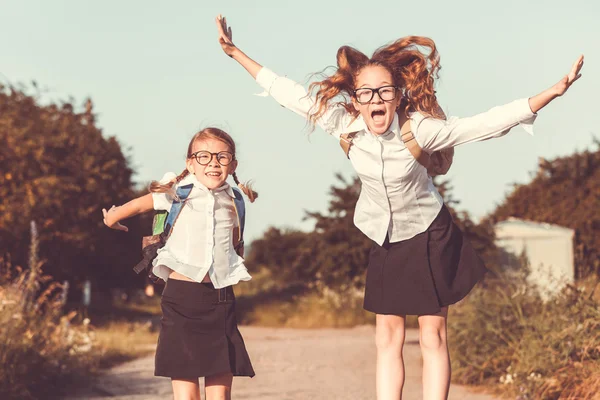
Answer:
(186, 389)
(389, 339)
(218, 387)
(436, 358)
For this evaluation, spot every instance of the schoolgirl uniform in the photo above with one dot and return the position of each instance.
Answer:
(420, 261)
(199, 335)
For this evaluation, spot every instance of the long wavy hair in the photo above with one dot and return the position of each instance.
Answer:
(206, 133)
(412, 70)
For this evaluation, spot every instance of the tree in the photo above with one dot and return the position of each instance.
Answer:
(58, 170)
(336, 252)
(565, 191)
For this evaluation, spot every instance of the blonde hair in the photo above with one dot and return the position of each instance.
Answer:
(206, 133)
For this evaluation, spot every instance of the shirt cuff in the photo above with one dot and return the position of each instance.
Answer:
(527, 118)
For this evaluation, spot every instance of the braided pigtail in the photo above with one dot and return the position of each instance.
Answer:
(246, 188)
(157, 187)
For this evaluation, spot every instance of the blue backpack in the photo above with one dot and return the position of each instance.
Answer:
(164, 222)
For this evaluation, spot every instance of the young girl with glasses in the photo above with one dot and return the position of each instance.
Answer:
(199, 336)
(420, 262)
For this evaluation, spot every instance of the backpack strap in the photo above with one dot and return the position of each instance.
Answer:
(408, 138)
(182, 194)
(240, 210)
(346, 142)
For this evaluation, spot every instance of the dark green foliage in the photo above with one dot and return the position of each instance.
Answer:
(56, 168)
(336, 253)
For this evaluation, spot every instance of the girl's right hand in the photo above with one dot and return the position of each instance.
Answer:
(109, 222)
(225, 36)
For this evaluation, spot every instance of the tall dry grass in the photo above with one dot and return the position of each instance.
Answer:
(39, 347)
(265, 301)
(42, 351)
(505, 337)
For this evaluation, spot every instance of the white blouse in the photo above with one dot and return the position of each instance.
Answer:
(202, 238)
(397, 197)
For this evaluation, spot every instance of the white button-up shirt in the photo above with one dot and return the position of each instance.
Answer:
(397, 197)
(202, 237)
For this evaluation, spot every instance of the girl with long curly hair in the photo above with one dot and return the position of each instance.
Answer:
(385, 108)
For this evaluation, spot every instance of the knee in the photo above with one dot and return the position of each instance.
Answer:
(389, 337)
(432, 339)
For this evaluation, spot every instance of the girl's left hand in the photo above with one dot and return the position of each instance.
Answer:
(114, 225)
(563, 85)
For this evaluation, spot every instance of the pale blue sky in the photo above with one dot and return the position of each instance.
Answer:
(156, 74)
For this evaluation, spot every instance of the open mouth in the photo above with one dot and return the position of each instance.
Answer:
(378, 116)
(213, 174)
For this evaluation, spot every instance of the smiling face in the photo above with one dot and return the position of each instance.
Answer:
(213, 174)
(377, 113)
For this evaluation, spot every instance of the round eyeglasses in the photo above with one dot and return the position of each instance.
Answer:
(204, 157)
(385, 93)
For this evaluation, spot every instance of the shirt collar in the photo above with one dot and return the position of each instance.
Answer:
(191, 178)
(359, 125)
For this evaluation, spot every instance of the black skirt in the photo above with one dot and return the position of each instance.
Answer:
(199, 335)
(420, 275)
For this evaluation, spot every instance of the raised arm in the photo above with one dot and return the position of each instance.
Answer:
(134, 207)
(434, 134)
(286, 92)
(541, 100)
(226, 41)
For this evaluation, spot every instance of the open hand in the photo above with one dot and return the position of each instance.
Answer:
(225, 35)
(113, 225)
(563, 85)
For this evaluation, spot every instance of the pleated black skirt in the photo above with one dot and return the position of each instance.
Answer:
(421, 275)
(199, 335)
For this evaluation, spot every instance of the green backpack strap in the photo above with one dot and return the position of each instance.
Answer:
(240, 210)
(164, 221)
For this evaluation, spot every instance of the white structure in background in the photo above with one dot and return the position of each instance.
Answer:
(549, 249)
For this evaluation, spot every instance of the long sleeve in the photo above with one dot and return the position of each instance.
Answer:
(293, 96)
(435, 134)
(163, 201)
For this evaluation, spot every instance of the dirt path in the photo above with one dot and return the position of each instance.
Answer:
(290, 364)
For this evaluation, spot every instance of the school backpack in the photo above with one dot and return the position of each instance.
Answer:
(163, 223)
(438, 163)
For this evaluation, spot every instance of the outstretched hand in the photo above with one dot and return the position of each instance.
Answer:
(225, 35)
(115, 225)
(565, 83)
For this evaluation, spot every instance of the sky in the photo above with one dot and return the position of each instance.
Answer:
(156, 75)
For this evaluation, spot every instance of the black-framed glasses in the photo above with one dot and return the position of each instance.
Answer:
(204, 157)
(385, 93)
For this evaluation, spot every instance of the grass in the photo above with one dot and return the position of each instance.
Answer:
(120, 341)
(265, 302)
(505, 337)
(43, 350)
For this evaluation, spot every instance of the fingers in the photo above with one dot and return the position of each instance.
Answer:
(225, 32)
(219, 22)
(576, 67)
